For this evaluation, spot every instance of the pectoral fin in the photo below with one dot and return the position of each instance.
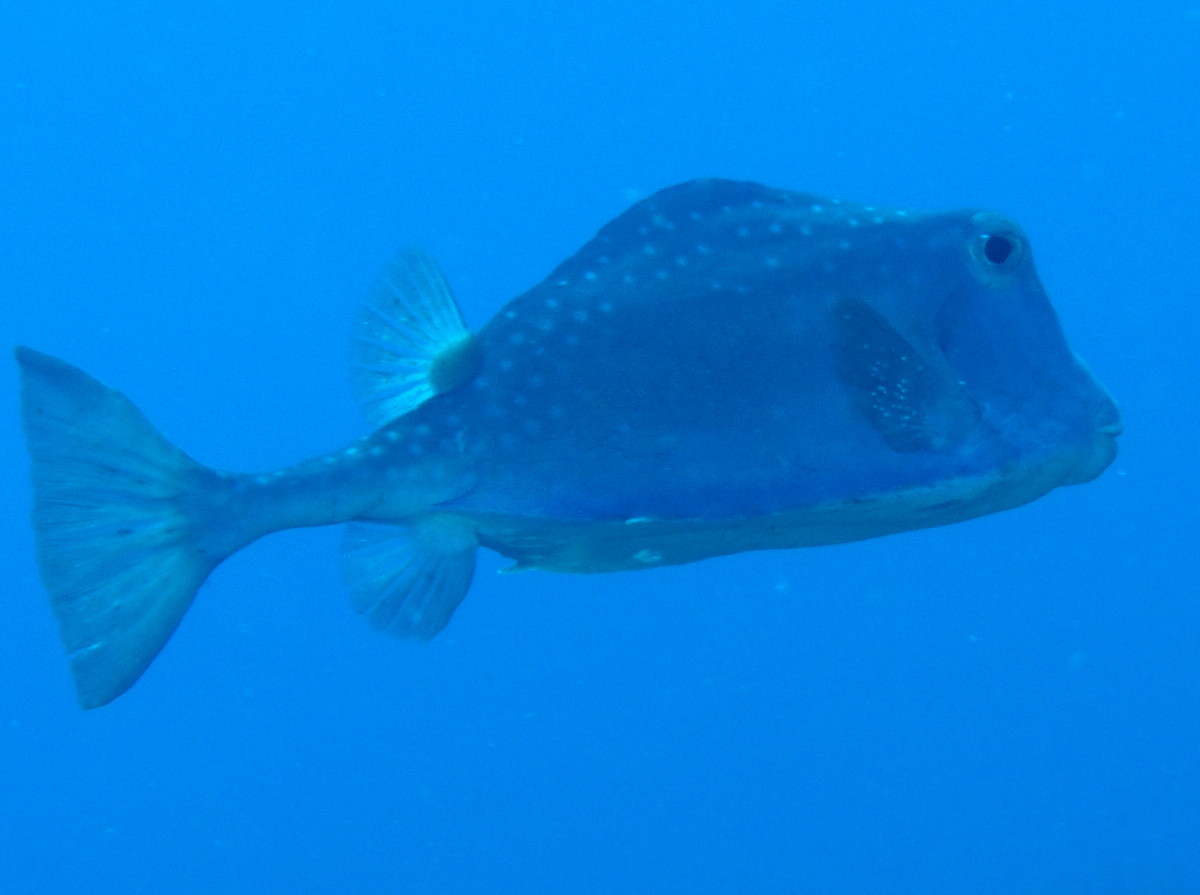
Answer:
(912, 405)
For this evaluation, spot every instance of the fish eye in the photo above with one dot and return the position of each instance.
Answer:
(997, 249)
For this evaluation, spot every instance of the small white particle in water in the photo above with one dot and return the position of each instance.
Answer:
(552, 303)
(805, 230)
(563, 282)
(329, 461)
(714, 284)
(853, 222)
(703, 249)
(589, 275)
(627, 279)
(772, 263)
(877, 220)
(647, 556)
(351, 452)
(649, 249)
(262, 479)
(391, 435)
(816, 209)
(375, 450)
(422, 429)
(681, 260)
(606, 307)
(511, 315)
(743, 232)
(843, 244)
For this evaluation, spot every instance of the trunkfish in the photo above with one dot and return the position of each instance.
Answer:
(723, 367)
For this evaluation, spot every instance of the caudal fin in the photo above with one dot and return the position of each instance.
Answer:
(114, 514)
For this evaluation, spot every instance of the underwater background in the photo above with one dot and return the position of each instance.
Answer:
(194, 199)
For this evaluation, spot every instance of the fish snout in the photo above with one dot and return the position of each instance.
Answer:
(1102, 450)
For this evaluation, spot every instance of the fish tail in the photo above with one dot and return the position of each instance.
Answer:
(127, 526)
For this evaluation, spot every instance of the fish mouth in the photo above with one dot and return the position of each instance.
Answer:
(1099, 454)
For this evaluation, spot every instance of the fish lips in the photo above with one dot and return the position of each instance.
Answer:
(1098, 454)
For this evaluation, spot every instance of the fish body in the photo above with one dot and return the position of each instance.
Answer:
(723, 367)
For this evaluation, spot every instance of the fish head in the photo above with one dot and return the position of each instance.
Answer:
(984, 318)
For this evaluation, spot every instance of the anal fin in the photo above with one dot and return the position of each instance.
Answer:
(408, 579)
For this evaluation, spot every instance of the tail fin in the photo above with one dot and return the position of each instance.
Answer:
(114, 515)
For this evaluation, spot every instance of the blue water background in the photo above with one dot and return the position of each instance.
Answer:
(194, 198)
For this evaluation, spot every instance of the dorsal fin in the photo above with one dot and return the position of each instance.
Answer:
(410, 342)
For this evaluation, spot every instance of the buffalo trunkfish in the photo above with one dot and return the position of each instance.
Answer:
(724, 367)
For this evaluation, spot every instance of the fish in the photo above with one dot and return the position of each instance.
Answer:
(724, 367)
